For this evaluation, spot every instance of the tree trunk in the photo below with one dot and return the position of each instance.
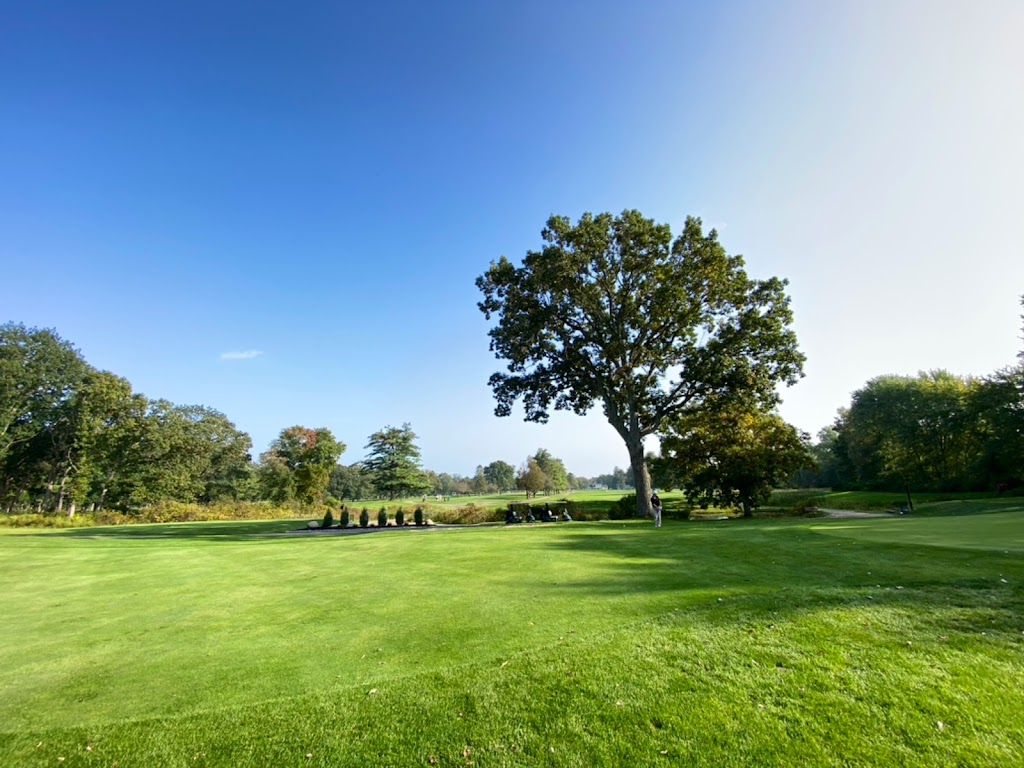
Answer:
(747, 510)
(71, 510)
(61, 493)
(641, 477)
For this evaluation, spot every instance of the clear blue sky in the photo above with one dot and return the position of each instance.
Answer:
(182, 182)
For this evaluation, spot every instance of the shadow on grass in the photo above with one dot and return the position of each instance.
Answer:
(750, 570)
(226, 530)
(960, 507)
(730, 572)
(221, 530)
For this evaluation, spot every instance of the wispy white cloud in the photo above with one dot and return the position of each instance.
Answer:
(247, 355)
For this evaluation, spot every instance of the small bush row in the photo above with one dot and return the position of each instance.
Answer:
(345, 520)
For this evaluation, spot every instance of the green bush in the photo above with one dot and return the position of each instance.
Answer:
(364, 518)
(400, 517)
(676, 509)
(417, 516)
(328, 521)
(382, 517)
(344, 517)
(624, 508)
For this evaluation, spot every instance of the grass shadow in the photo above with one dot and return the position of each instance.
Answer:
(751, 570)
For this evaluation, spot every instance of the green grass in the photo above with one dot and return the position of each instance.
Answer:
(985, 530)
(873, 501)
(766, 642)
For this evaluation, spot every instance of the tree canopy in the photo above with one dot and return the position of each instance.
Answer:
(501, 475)
(394, 462)
(531, 478)
(73, 436)
(613, 310)
(733, 457)
(299, 463)
(557, 479)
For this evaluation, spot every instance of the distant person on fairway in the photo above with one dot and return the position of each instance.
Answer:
(656, 509)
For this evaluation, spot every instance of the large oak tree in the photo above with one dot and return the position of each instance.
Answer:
(613, 310)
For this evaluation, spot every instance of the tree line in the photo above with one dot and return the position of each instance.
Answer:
(670, 336)
(76, 438)
(933, 432)
(72, 436)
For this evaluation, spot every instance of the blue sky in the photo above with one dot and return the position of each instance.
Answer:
(320, 183)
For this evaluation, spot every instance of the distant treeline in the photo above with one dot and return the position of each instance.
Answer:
(73, 438)
(934, 431)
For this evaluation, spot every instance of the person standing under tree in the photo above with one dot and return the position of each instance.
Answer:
(656, 509)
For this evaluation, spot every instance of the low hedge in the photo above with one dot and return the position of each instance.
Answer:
(166, 512)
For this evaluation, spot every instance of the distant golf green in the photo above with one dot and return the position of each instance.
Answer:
(1003, 531)
(890, 641)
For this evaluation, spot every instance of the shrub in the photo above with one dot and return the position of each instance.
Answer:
(417, 516)
(382, 517)
(364, 518)
(400, 517)
(344, 517)
(624, 508)
(581, 512)
(676, 509)
(468, 515)
(167, 512)
(328, 521)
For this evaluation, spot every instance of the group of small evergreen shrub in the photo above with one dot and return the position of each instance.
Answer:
(364, 518)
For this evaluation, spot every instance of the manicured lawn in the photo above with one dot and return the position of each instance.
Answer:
(944, 527)
(896, 641)
(877, 500)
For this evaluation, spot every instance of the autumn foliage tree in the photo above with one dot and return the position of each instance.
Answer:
(531, 478)
(298, 464)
